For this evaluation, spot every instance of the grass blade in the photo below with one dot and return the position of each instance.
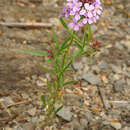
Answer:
(38, 53)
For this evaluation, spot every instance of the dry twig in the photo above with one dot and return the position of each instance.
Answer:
(16, 24)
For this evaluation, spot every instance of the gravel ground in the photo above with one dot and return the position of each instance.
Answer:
(101, 98)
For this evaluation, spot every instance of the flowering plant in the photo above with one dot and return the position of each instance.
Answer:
(82, 13)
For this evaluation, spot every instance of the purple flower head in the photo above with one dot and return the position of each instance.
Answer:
(82, 12)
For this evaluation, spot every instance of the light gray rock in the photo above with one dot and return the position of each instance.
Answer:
(89, 116)
(128, 82)
(91, 78)
(103, 65)
(25, 96)
(65, 113)
(29, 126)
(116, 125)
(32, 111)
(84, 123)
(76, 65)
(119, 86)
(126, 128)
(115, 68)
(119, 46)
(7, 101)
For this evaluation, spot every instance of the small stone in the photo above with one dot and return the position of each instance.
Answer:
(95, 68)
(29, 126)
(54, 21)
(76, 65)
(25, 96)
(65, 113)
(119, 86)
(40, 83)
(86, 68)
(7, 101)
(116, 69)
(34, 119)
(84, 123)
(76, 125)
(89, 116)
(91, 78)
(116, 125)
(126, 128)
(128, 82)
(119, 46)
(32, 111)
(103, 65)
(34, 77)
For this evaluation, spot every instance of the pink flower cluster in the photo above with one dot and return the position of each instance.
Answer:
(82, 12)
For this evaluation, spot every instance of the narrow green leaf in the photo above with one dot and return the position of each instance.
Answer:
(49, 86)
(46, 69)
(89, 33)
(67, 66)
(61, 79)
(58, 109)
(63, 23)
(84, 38)
(79, 45)
(43, 101)
(69, 82)
(55, 39)
(38, 53)
(65, 42)
(77, 53)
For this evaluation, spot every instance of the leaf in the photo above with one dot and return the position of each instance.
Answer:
(55, 39)
(69, 82)
(43, 101)
(79, 45)
(89, 33)
(63, 23)
(38, 53)
(65, 42)
(61, 79)
(46, 69)
(67, 66)
(58, 109)
(84, 38)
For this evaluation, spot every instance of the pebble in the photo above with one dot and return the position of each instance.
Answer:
(126, 128)
(40, 83)
(128, 82)
(25, 96)
(119, 46)
(115, 68)
(91, 78)
(32, 111)
(65, 113)
(76, 65)
(116, 125)
(29, 126)
(119, 85)
(84, 123)
(89, 116)
(103, 65)
(7, 101)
